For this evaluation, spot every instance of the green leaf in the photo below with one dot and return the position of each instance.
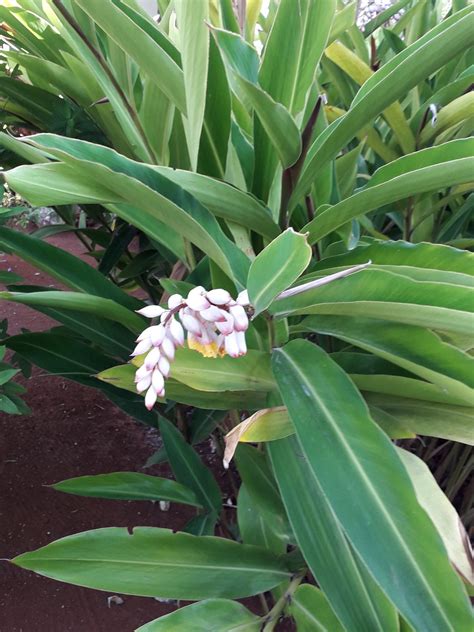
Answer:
(277, 267)
(102, 307)
(157, 563)
(415, 349)
(122, 376)
(368, 489)
(441, 512)
(311, 611)
(354, 597)
(7, 374)
(424, 417)
(249, 373)
(392, 81)
(9, 277)
(128, 486)
(225, 201)
(211, 615)
(411, 182)
(158, 199)
(260, 485)
(373, 293)
(404, 254)
(279, 125)
(255, 526)
(188, 467)
(292, 52)
(194, 45)
(151, 58)
(65, 267)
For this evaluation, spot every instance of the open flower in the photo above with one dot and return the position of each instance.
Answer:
(211, 322)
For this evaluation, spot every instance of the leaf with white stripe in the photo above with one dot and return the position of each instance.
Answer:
(369, 490)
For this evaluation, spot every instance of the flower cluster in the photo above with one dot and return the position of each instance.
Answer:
(215, 325)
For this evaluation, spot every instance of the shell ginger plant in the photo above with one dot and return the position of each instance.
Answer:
(238, 177)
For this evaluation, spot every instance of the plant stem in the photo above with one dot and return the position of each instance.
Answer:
(273, 616)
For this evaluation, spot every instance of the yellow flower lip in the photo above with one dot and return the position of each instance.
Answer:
(210, 350)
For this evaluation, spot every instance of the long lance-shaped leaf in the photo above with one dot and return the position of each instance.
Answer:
(157, 562)
(225, 201)
(114, 178)
(369, 491)
(442, 513)
(242, 61)
(76, 301)
(128, 486)
(353, 595)
(64, 266)
(194, 45)
(91, 57)
(152, 59)
(312, 612)
(291, 56)
(436, 257)
(413, 182)
(375, 293)
(211, 614)
(361, 72)
(415, 349)
(388, 84)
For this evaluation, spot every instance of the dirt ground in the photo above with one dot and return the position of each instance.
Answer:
(72, 431)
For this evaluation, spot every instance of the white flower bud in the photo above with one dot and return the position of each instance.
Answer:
(143, 384)
(240, 335)
(177, 332)
(196, 299)
(213, 314)
(219, 297)
(164, 366)
(152, 358)
(191, 323)
(150, 398)
(157, 381)
(157, 333)
(168, 348)
(142, 347)
(241, 321)
(151, 311)
(231, 345)
(175, 300)
(141, 372)
(243, 298)
(226, 327)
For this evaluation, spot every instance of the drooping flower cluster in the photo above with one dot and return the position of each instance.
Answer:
(215, 325)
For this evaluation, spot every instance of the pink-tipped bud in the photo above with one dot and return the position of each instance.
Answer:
(164, 366)
(240, 335)
(157, 381)
(150, 398)
(141, 372)
(152, 358)
(151, 311)
(175, 300)
(168, 348)
(196, 299)
(241, 321)
(243, 298)
(231, 345)
(213, 314)
(142, 347)
(219, 297)
(177, 332)
(157, 334)
(143, 384)
(191, 324)
(226, 327)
